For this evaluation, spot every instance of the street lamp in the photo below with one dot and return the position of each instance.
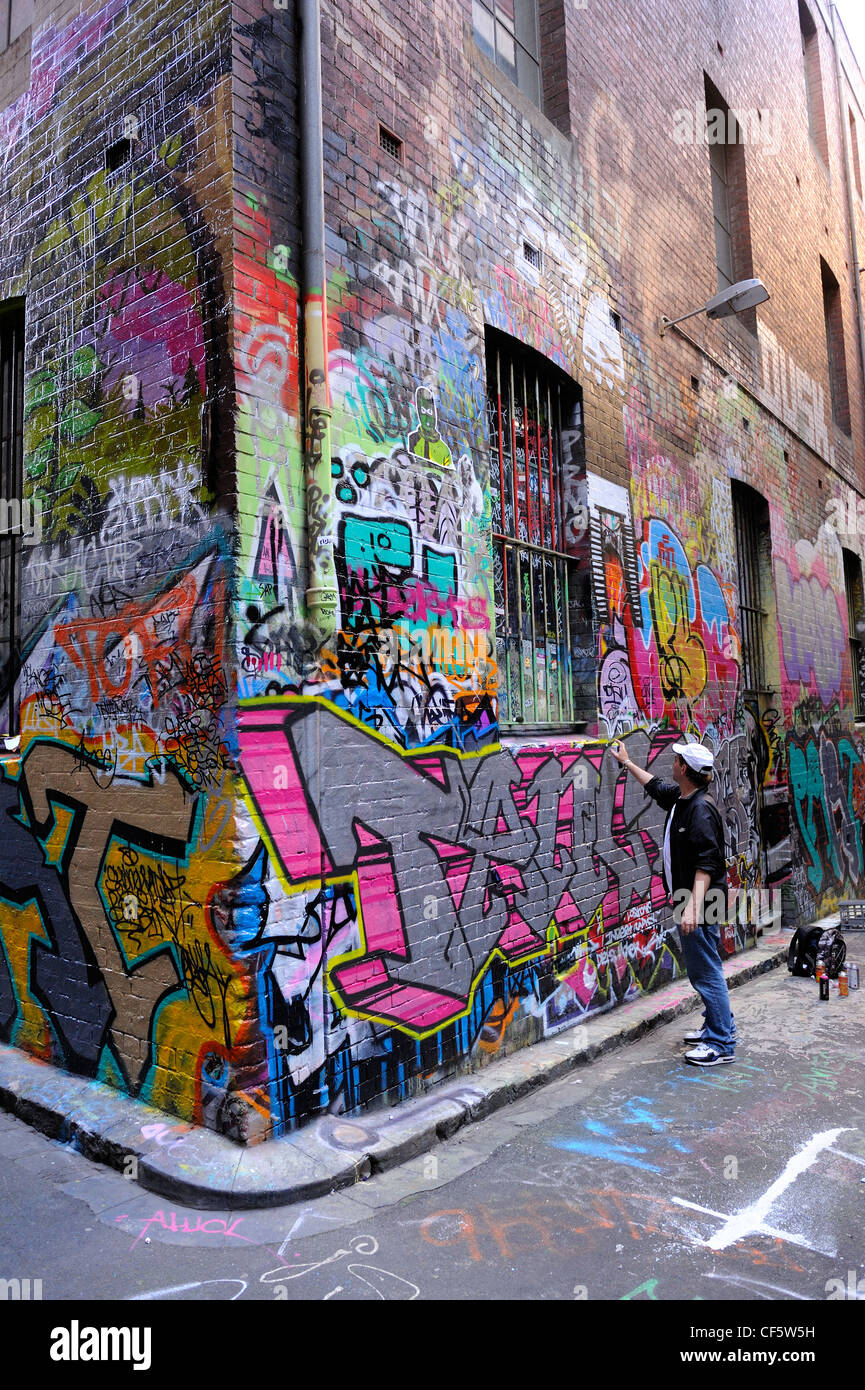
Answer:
(743, 295)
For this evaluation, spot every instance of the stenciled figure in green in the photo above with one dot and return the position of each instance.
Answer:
(426, 442)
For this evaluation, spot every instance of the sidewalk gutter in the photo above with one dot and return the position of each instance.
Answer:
(198, 1168)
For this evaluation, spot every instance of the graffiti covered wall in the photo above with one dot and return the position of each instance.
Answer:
(259, 870)
(439, 890)
(437, 894)
(120, 885)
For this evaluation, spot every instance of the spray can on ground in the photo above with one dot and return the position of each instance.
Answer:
(824, 986)
(853, 976)
(842, 984)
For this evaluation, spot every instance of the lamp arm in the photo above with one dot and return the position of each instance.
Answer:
(670, 323)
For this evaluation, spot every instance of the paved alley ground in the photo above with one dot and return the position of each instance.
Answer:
(636, 1178)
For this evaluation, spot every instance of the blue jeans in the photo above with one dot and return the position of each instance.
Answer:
(701, 950)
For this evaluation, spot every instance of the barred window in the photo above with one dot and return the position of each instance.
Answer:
(11, 448)
(544, 648)
(751, 526)
(856, 628)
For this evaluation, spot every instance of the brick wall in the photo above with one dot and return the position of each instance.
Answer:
(398, 887)
(451, 891)
(118, 884)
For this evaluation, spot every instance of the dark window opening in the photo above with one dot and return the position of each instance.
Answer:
(753, 547)
(833, 318)
(732, 223)
(813, 81)
(11, 483)
(118, 154)
(544, 648)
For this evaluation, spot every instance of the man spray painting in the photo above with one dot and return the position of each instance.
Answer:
(695, 873)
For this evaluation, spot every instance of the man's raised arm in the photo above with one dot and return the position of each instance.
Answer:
(642, 776)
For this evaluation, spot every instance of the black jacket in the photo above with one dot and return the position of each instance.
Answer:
(696, 838)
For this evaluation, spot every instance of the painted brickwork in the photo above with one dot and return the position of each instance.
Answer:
(254, 873)
(118, 862)
(442, 896)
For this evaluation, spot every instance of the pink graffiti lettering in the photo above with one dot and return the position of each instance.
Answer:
(499, 852)
(213, 1226)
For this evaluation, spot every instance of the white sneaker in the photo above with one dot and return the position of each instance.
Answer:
(706, 1056)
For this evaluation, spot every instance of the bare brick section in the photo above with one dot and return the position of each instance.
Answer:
(266, 863)
(15, 69)
(554, 62)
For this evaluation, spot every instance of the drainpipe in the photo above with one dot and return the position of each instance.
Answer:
(321, 594)
(851, 211)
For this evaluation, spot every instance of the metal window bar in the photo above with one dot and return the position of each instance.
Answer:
(855, 613)
(857, 663)
(532, 575)
(752, 615)
(563, 607)
(11, 455)
(520, 453)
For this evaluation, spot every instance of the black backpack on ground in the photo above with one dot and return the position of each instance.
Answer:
(810, 944)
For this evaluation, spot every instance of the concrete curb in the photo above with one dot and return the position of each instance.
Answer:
(198, 1168)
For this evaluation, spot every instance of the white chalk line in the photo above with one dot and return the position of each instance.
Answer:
(762, 1229)
(854, 1158)
(183, 1288)
(751, 1217)
(758, 1284)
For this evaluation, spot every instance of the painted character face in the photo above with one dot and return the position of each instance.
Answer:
(426, 410)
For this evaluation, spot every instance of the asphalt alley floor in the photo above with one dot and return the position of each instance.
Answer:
(636, 1177)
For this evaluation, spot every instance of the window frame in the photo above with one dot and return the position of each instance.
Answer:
(7, 38)
(516, 31)
(718, 155)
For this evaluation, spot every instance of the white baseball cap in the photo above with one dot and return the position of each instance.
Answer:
(698, 758)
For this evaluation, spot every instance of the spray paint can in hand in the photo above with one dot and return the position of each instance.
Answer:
(853, 976)
(824, 986)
